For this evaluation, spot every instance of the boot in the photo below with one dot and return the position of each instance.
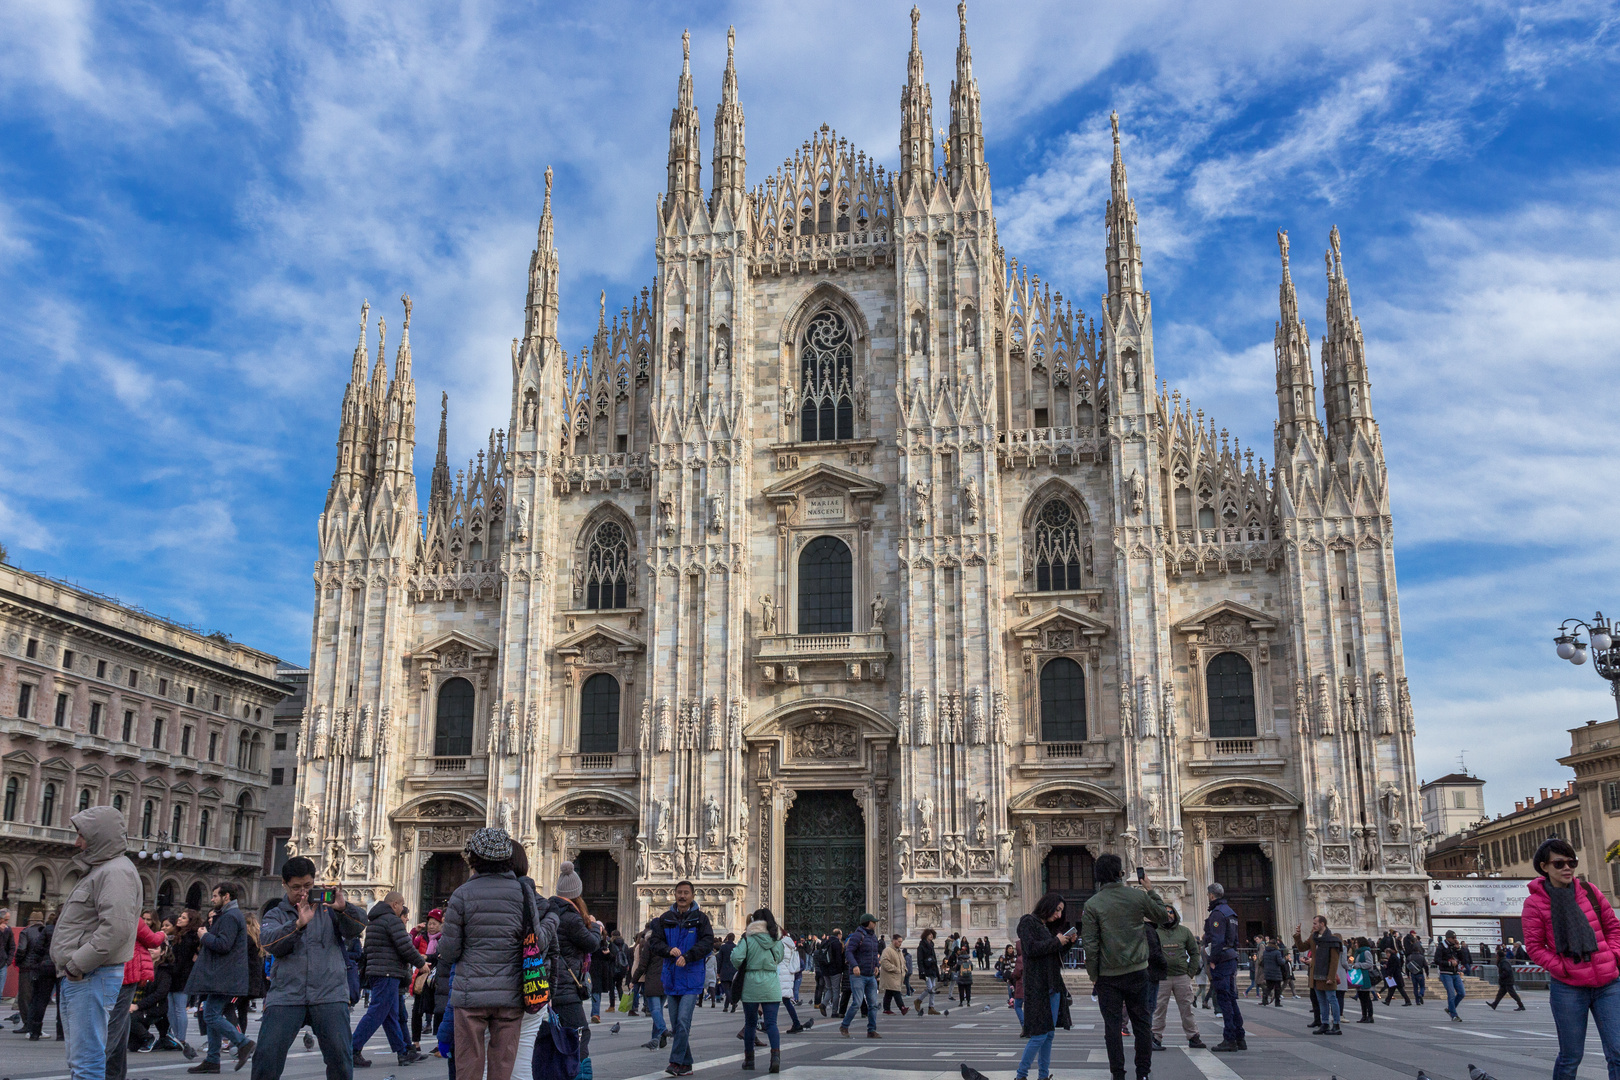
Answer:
(776, 1061)
(932, 1011)
(1195, 1043)
(748, 1056)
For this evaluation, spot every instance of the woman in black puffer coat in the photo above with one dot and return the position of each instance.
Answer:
(578, 936)
(928, 968)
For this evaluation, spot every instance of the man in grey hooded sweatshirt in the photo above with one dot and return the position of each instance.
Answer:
(95, 937)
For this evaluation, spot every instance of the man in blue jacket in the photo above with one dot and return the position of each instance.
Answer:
(862, 952)
(1221, 936)
(684, 937)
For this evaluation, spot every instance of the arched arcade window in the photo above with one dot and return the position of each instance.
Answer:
(826, 379)
(599, 715)
(826, 587)
(607, 567)
(1057, 547)
(453, 726)
(1063, 701)
(1230, 682)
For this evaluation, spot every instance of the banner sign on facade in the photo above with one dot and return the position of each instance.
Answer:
(1471, 931)
(1478, 897)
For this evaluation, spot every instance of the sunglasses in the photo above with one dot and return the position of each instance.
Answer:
(1563, 864)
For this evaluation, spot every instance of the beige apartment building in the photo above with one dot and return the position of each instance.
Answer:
(105, 704)
(1594, 754)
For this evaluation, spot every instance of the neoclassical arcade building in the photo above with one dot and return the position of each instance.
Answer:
(851, 567)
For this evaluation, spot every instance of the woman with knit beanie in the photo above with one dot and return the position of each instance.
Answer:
(578, 936)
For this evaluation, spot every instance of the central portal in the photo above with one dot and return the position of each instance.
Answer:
(824, 868)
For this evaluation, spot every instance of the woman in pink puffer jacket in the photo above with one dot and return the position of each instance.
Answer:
(1570, 929)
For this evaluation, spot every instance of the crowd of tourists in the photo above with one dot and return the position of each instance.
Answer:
(508, 982)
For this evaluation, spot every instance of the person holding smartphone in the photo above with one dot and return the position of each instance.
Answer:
(1042, 939)
(1117, 958)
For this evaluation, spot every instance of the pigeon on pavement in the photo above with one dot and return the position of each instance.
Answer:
(970, 1073)
(985, 1009)
(1476, 1074)
(1422, 1075)
(309, 1041)
(614, 1030)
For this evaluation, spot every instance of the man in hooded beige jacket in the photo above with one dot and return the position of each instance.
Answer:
(95, 937)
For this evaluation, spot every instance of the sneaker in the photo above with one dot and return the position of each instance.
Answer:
(204, 1067)
(679, 1070)
(1226, 1046)
(150, 1045)
(244, 1052)
(1158, 1044)
(309, 1041)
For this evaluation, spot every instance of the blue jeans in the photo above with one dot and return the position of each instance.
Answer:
(1454, 991)
(1418, 987)
(1018, 1010)
(798, 979)
(596, 1005)
(655, 1009)
(177, 1017)
(1570, 1006)
(85, 1005)
(280, 1024)
(1039, 1047)
(217, 1027)
(751, 1014)
(680, 1021)
(383, 1011)
(1328, 1002)
(862, 987)
(1223, 980)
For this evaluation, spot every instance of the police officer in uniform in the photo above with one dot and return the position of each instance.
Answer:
(1221, 938)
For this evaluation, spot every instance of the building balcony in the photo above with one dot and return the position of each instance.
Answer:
(596, 768)
(1086, 758)
(784, 658)
(36, 838)
(1029, 447)
(1260, 752)
(452, 770)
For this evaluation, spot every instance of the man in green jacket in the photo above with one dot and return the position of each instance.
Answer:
(1117, 958)
(1183, 958)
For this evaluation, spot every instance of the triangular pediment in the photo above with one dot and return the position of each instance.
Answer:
(596, 637)
(21, 757)
(92, 772)
(1257, 620)
(454, 641)
(1060, 618)
(822, 476)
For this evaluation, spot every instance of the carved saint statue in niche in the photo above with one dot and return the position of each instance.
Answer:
(879, 606)
(767, 621)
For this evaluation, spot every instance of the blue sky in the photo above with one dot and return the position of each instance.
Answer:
(193, 201)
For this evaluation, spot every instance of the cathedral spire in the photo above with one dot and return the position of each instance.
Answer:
(685, 156)
(439, 490)
(1296, 378)
(1346, 389)
(402, 356)
(967, 127)
(730, 157)
(357, 372)
(1124, 250)
(916, 121)
(540, 324)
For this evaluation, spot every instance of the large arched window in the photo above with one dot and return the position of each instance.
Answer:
(1230, 682)
(599, 715)
(47, 805)
(826, 588)
(607, 567)
(1057, 547)
(239, 827)
(1063, 701)
(453, 728)
(826, 379)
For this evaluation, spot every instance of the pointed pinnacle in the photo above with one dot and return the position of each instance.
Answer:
(1282, 244)
(686, 46)
(731, 43)
(916, 14)
(365, 316)
(548, 190)
(406, 300)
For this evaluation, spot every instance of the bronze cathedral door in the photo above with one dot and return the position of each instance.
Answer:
(824, 864)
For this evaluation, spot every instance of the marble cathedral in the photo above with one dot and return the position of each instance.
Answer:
(851, 567)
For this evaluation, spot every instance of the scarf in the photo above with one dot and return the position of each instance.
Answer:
(1572, 931)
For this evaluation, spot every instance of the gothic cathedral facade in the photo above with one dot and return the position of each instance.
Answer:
(851, 568)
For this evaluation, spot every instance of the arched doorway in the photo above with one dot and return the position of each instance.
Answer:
(165, 897)
(824, 863)
(1245, 873)
(599, 874)
(443, 874)
(1067, 871)
(194, 896)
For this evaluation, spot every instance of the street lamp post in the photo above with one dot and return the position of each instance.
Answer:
(1604, 650)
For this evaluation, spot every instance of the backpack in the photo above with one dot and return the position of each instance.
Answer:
(1158, 968)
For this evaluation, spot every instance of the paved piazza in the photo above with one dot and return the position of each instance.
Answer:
(1508, 1045)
